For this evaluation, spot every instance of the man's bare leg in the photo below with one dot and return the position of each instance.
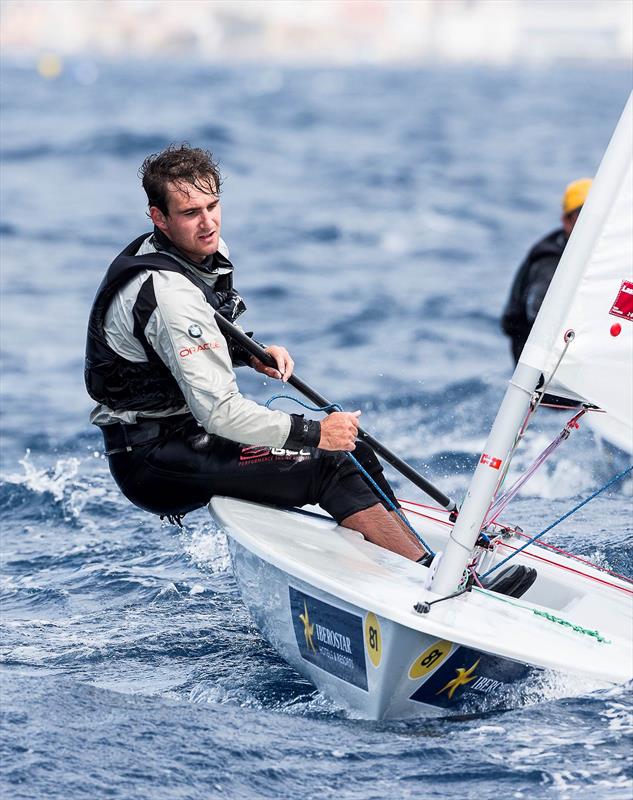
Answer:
(386, 530)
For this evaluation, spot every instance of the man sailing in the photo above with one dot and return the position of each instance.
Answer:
(176, 428)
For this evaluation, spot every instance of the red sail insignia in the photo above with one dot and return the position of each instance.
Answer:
(623, 305)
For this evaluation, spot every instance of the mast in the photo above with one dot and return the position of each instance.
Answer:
(535, 355)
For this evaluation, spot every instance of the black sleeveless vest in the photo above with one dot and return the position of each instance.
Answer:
(124, 385)
(514, 320)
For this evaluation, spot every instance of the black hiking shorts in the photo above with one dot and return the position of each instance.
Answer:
(172, 466)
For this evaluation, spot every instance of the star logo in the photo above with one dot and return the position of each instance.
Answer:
(308, 630)
(463, 677)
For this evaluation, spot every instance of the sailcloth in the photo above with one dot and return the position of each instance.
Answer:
(594, 286)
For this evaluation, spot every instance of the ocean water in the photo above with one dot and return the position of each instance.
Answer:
(376, 218)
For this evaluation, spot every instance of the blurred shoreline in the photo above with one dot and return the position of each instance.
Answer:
(322, 32)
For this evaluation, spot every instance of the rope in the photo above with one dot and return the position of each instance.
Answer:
(569, 337)
(567, 568)
(331, 407)
(502, 502)
(560, 519)
(546, 615)
(547, 545)
(358, 465)
(582, 560)
(425, 606)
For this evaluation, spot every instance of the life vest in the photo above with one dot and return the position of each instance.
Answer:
(514, 321)
(124, 385)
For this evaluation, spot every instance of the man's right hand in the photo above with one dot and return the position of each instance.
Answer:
(339, 430)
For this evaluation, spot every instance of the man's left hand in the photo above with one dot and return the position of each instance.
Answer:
(284, 362)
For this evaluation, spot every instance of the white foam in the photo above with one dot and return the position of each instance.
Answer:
(52, 480)
(207, 548)
(63, 482)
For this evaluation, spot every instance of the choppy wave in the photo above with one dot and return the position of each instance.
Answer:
(375, 218)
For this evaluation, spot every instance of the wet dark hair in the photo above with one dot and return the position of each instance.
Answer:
(181, 165)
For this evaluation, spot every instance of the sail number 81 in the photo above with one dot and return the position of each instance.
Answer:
(373, 639)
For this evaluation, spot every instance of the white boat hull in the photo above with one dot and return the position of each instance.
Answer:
(341, 611)
(361, 660)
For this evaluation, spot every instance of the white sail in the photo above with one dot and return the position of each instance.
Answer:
(589, 296)
(598, 293)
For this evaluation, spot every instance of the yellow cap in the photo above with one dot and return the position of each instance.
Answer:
(576, 194)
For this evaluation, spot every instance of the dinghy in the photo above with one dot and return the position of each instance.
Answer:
(385, 637)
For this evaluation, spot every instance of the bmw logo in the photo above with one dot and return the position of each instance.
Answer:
(195, 331)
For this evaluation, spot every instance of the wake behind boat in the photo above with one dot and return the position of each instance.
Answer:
(387, 637)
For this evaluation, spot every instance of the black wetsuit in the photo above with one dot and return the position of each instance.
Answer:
(529, 287)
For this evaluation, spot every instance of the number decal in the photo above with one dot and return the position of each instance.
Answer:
(373, 639)
(432, 657)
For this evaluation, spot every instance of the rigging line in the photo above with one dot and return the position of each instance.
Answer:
(546, 615)
(582, 560)
(474, 584)
(567, 568)
(554, 524)
(428, 516)
(271, 400)
(359, 466)
(501, 503)
(424, 505)
(388, 500)
(569, 336)
(545, 545)
(515, 444)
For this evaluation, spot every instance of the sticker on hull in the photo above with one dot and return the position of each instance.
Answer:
(373, 638)
(430, 659)
(329, 637)
(466, 675)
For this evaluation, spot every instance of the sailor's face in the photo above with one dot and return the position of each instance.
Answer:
(193, 222)
(569, 220)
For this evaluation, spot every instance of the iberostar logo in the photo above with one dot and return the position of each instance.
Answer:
(463, 677)
(308, 630)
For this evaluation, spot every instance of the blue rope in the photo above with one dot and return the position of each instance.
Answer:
(554, 524)
(355, 461)
(332, 406)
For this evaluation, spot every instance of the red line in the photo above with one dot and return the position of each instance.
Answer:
(577, 558)
(423, 505)
(426, 516)
(540, 558)
(571, 569)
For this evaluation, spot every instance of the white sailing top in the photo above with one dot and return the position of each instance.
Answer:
(183, 332)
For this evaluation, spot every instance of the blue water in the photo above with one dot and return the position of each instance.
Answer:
(375, 218)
